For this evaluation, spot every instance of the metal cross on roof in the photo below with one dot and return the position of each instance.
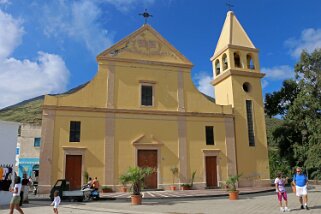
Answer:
(146, 15)
(229, 6)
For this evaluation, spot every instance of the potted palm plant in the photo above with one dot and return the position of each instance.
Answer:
(135, 176)
(231, 187)
(188, 186)
(123, 180)
(174, 171)
(106, 189)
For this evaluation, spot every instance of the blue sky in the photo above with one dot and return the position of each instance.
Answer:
(51, 46)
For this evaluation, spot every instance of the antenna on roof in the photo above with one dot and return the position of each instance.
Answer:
(146, 15)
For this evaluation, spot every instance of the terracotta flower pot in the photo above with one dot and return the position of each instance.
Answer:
(173, 188)
(185, 187)
(136, 199)
(234, 195)
(106, 190)
(123, 189)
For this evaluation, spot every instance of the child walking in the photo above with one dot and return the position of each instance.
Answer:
(56, 202)
(280, 189)
(15, 201)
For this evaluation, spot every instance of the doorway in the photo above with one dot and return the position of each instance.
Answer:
(148, 158)
(211, 171)
(73, 171)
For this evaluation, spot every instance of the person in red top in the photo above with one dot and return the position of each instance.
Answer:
(95, 184)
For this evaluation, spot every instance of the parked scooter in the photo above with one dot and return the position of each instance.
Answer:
(90, 193)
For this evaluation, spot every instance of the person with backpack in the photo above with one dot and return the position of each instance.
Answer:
(300, 181)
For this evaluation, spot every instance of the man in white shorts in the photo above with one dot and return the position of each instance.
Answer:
(300, 181)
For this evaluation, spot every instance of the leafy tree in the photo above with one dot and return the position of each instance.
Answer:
(299, 103)
(306, 109)
(278, 163)
(279, 102)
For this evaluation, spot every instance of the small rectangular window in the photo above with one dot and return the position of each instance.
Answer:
(17, 151)
(37, 142)
(74, 132)
(250, 126)
(146, 95)
(19, 131)
(209, 131)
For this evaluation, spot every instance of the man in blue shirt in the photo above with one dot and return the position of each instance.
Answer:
(301, 182)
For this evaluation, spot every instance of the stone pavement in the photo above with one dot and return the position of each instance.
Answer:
(184, 194)
(169, 194)
(247, 204)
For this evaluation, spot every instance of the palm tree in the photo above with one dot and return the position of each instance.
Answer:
(135, 176)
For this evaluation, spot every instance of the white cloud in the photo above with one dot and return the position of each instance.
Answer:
(4, 2)
(276, 73)
(127, 5)
(309, 40)
(20, 80)
(24, 79)
(78, 20)
(204, 84)
(281, 72)
(11, 31)
(264, 83)
(82, 21)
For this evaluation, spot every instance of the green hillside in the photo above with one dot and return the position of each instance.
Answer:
(28, 111)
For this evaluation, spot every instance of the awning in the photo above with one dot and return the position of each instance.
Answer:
(29, 163)
(35, 167)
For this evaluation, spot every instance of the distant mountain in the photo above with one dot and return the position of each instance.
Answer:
(29, 111)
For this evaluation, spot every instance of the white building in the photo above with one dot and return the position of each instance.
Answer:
(8, 144)
(28, 149)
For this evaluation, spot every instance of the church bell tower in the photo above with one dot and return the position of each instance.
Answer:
(237, 82)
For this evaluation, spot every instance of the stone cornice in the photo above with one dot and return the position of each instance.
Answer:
(154, 142)
(211, 151)
(106, 60)
(74, 148)
(130, 111)
(230, 72)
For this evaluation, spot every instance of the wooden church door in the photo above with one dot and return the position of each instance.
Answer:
(148, 158)
(211, 172)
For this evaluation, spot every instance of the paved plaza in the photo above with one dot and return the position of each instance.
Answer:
(247, 204)
(185, 194)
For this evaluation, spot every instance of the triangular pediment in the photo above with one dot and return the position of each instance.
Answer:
(232, 34)
(146, 140)
(145, 44)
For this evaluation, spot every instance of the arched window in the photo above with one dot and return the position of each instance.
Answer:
(225, 63)
(250, 63)
(237, 60)
(217, 67)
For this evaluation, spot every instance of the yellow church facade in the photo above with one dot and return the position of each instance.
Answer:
(142, 109)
